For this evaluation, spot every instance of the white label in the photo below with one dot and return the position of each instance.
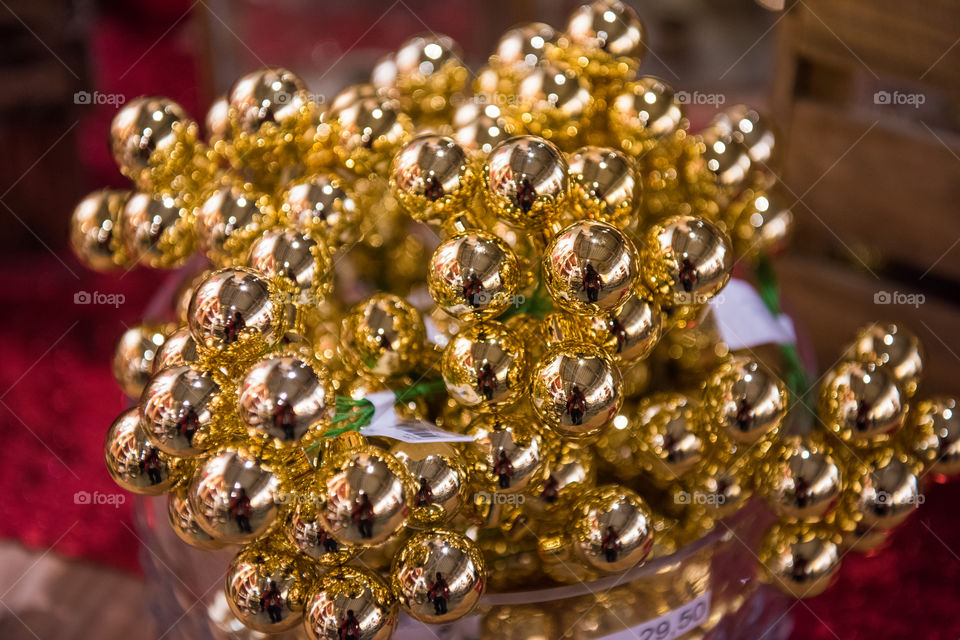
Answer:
(671, 624)
(386, 423)
(744, 321)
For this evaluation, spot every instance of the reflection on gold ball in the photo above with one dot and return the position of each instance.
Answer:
(157, 231)
(353, 599)
(893, 347)
(611, 528)
(133, 462)
(133, 359)
(800, 559)
(861, 402)
(507, 455)
(432, 178)
(744, 400)
(685, 260)
(384, 335)
(485, 366)
(266, 587)
(94, 230)
(525, 181)
(474, 276)
(647, 109)
(603, 185)
(273, 96)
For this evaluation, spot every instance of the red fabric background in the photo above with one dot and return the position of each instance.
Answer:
(59, 396)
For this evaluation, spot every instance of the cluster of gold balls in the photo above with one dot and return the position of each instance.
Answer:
(526, 261)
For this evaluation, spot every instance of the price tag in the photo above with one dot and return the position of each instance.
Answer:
(386, 423)
(670, 625)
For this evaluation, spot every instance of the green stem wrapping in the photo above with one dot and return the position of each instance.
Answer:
(797, 380)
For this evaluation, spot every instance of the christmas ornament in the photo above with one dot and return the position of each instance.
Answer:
(525, 181)
(603, 185)
(432, 178)
(178, 409)
(744, 401)
(800, 559)
(384, 335)
(95, 231)
(474, 276)
(860, 402)
(484, 366)
(611, 530)
(134, 357)
(507, 455)
(440, 479)
(267, 587)
(894, 348)
(134, 463)
(350, 603)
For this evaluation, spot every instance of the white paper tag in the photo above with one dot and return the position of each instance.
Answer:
(386, 423)
(434, 334)
(670, 625)
(744, 320)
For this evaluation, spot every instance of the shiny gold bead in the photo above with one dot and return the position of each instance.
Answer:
(157, 231)
(305, 532)
(547, 332)
(672, 442)
(720, 486)
(474, 276)
(485, 366)
(184, 523)
(234, 304)
(366, 495)
(284, 398)
(234, 496)
(603, 185)
(882, 488)
(685, 260)
(609, 26)
(384, 335)
(611, 528)
(303, 262)
(800, 559)
(576, 389)
(507, 455)
(750, 128)
(760, 221)
(479, 126)
(431, 63)
(322, 205)
(371, 130)
(726, 159)
(439, 477)
(861, 403)
(629, 333)
(228, 222)
(647, 109)
(590, 268)
(744, 400)
(274, 96)
(521, 48)
(134, 463)
(142, 127)
(525, 181)
(431, 178)
(894, 348)
(438, 576)
(178, 348)
(804, 480)
(934, 434)
(134, 356)
(267, 587)
(178, 410)
(554, 103)
(94, 231)
(351, 603)
(569, 469)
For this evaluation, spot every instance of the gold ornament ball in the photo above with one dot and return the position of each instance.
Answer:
(893, 347)
(804, 480)
(800, 559)
(590, 268)
(744, 400)
(157, 231)
(672, 441)
(647, 109)
(142, 127)
(267, 96)
(95, 232)
(184, 524)
(521, 48)
(134, 356)
(728, 160)
(431, 178)
(305, 532)
(371, 130)
(750, 128)
(576, 389)
(569, 469)
(351, 602)
(937, 424)
(234, 496)
(179, 348)
(630, 333)
(384, 335)
(612, 528)
(267, 587)
(431, 63)
(760, 221)
(603, 185)
(304, 262)
(479, 126)
(485, 366)
(526, 182)
(366, 495)
(506, 456)
(439, 478)
(322, 205)
(884, 489)
(179, 408)
(134, 463)
(609, 26)
(554, 103)
(721, 486)
(231, 305)
(438, 576)
(474, 276)
(228, 222)
(685, 260)
(861, 403)
(284, 398)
